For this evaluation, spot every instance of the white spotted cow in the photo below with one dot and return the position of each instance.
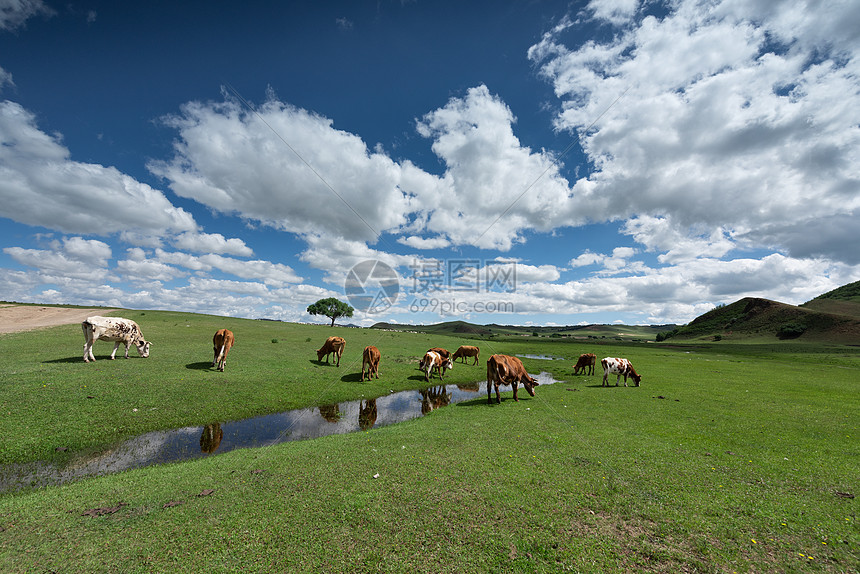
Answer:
(612, 366)
(114, 329)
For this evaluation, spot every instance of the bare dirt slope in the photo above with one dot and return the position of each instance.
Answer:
(15, 318)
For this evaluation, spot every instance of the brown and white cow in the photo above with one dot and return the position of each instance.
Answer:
(507, 370)
(370, 359)
(434, 361)
(114, 329)
(612, 366)
(466, 351)
(332, 345)
(585, 363)
(444, 353)
(222, 342)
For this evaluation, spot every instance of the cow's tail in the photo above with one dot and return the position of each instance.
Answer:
(221, 352)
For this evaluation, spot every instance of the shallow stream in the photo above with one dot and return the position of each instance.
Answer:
(195, 442)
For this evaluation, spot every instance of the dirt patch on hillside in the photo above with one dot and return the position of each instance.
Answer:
(14, 318)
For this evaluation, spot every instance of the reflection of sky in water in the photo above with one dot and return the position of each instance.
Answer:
(185, 444)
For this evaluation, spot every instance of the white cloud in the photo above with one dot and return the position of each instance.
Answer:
(5, 79)
(74, 258)
(40, 185)
(586, 258)
(285, 167)
(15, 13)
(212, 243)
(614, 11)
(723, 137)
(319, 180)
(494, 188)
(424, 243)
(274, 274)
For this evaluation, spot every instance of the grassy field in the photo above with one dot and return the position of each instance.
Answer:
(728, 458)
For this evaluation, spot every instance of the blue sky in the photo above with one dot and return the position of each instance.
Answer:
(518, 163)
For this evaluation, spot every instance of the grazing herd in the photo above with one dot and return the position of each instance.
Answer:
(501, 369)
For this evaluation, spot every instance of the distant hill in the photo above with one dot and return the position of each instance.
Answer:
(470, 330)
(833, 317)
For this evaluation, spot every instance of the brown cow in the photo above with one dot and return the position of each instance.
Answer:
(466, 351)
(370, 357)
(433, 360)
(585, 364)
(332, 345)
(222, 342)
(507, 370)
(442, 352)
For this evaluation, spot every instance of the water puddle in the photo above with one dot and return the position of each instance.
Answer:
(190, 443)
(542, 357)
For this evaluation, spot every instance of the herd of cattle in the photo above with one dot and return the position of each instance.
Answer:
(501, 369)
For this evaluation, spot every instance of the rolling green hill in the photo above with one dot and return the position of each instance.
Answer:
(842, 301)
(833, 317)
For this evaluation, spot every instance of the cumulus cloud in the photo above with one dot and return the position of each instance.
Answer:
(73, 258)
(212, 243)
(738, 124)
(279, 165)
(493, 188)
(285, 167)
(15, 13)
(41, 185)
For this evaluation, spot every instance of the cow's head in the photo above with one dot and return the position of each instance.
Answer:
(447, 364)
(143, 347)
(636, 379)
(530, 383)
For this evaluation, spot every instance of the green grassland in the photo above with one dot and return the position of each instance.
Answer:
(728, 458)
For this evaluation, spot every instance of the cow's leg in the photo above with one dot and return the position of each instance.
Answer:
(88, 352)
(514, 385)
(115, 347)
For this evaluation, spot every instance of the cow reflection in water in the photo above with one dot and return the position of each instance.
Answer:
(433, 398)
(367, 414)
(470, 387)
(210, 440)
(331, 413)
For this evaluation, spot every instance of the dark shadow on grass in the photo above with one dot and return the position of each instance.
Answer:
(201, 366)
(351, 378)
(321, 363)
(78, 359)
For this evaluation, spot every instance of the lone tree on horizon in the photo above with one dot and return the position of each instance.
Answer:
(332, 308)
